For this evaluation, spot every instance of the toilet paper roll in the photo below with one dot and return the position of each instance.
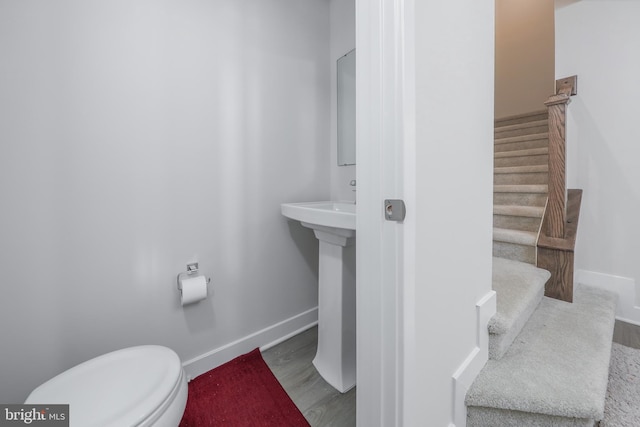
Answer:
(194, 289)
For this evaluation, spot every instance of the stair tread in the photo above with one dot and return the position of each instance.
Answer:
(521, 169)
(515, 283)
(499, 120)
(518, 237)
(521, 125)
(521, 138)
(519, 287)
(530, 188)
(516, 210)
(558, 365)
(522, 153)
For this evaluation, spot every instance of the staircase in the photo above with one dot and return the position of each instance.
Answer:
(521, 155)
(549, 359)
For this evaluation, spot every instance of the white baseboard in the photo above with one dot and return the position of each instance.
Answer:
(473, 364)
(265, 338)
(627, 309)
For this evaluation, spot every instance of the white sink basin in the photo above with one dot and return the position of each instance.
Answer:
(327, 214)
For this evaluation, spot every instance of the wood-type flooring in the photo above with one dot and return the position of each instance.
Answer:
(321, 404)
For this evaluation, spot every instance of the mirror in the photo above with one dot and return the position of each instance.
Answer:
(347, 109)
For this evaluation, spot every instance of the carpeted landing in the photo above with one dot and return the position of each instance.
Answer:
(622, 406)
(555, 372)
(241, 393)
(549, 359)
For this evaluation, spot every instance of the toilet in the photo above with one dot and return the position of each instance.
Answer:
(136, 386)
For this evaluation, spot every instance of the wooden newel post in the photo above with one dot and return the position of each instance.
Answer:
(557, 238)
(556, 207)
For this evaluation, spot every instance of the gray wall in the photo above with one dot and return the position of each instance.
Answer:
(343, 39)
(139, 136)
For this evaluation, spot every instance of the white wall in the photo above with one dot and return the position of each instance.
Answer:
(454, 75)
(137, 137)
(524, 68)
(343, 39)
(599, 41)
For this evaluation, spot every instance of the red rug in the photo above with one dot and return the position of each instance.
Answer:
(241, 393)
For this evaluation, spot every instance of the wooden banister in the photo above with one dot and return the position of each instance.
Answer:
(556, 206)
(557, 254)
(556, 242)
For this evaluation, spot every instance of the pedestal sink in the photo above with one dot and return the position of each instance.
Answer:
(334, 225)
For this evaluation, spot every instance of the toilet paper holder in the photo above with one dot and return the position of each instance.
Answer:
(192, 269)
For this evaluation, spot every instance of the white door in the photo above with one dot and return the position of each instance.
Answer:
(425, 135)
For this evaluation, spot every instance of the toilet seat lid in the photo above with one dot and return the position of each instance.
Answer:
(119, 388)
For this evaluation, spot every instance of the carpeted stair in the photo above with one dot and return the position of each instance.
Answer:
(519, 289)
(521, 157)
(549, 359)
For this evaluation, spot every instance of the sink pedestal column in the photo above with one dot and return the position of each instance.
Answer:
(336, 355)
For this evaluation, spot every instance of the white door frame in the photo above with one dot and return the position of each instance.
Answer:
(383, 84)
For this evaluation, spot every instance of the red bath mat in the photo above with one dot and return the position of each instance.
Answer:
(241, 393)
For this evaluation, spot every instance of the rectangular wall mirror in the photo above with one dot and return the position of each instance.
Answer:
(347, 109)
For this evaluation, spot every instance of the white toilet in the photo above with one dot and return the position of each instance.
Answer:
(136, 386)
